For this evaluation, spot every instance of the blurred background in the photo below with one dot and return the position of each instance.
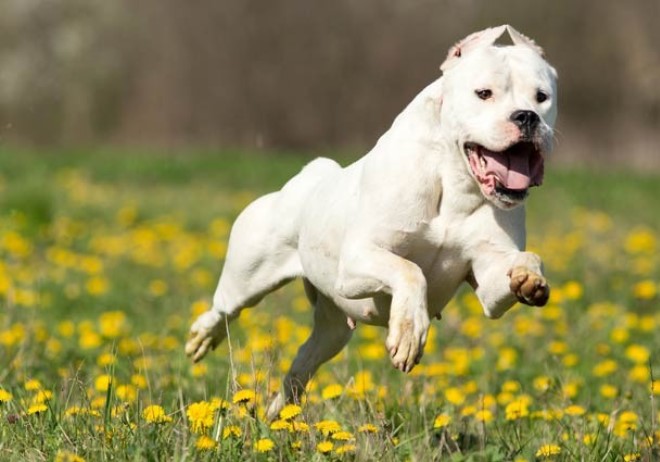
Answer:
(296, 75)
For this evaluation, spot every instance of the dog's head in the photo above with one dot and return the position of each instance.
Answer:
(499, 104)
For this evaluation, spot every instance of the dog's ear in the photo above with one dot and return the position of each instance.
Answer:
(486, 38)
(520, 39)
(473, 41)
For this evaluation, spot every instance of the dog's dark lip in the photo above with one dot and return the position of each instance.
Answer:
(514, 195)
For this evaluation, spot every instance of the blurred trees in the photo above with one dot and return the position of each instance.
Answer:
(297, 74)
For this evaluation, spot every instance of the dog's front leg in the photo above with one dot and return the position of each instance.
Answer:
(368, 270)
(499, 279)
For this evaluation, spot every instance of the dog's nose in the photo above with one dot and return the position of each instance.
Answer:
(525, 120)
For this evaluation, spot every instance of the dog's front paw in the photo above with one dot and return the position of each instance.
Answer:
(529, 287)
(406, 339)
(206, 333)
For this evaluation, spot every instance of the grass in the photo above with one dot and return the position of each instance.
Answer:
(107, 256)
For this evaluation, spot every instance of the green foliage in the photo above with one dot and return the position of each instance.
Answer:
(106, 257)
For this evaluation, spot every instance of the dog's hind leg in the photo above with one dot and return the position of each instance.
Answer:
(261, 257)
(330, 334)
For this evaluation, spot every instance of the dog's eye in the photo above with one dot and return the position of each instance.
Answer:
(484, 93)
(541, 96)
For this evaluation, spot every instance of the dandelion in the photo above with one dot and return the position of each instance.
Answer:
(200, 415)
(332, 391)
(66, 456)
(542, 383)
(484, 416)
(155, 414)
(290, 411)
(102, 383)
(37, 409)
(638, 354)
(324, 447)
(33, 385)
(626, 423)
(575, 410)
(605, 368)
(345, 449)
(369, 428)
(281, 424)
(454, 396)
(42, 396)
(5, 396)
(327, 427)
(231, 431)
(264, 445)
(609, 391)
(548, 450)
(632, 457)
(342, 436)
(441, 421)
(516, 410)
(126, 393)
(244, 397)
(205, 443)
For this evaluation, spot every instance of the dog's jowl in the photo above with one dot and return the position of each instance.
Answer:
(387, 240)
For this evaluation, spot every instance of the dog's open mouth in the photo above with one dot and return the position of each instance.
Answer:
(507, 174)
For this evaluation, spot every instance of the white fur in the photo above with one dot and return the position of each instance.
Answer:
(388, 239)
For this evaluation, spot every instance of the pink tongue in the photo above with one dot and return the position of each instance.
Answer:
(513, 170)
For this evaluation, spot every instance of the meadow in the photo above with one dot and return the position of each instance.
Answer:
(106, 257)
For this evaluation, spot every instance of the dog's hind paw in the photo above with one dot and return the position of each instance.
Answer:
(405, 341)
(528, 287)
(206, 333)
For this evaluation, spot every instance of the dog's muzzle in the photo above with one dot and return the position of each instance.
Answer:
(506, 175)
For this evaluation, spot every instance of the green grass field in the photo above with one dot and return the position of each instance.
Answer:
(106, 257)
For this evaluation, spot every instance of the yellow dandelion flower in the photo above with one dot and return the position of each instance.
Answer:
(219, 403)
(67, 456)
(342, 436)
(244, 397)
(640, 373)
(590, 439)
(324, 447)
(140, 381)
(126, 393)
(33, 385)
(605, 368)
(632, 457)
(484, 415)
(37, 409)
(204, 443)
(200, 415)
(638, 354)
(281, 424)
(5, 396)
(290, 411)
(345, 449)
(454, 396)
(609, 391)
(155, 414)
(368, 428)
(264, 445)
(231, 431)
(542, 383)
(42, 396)
(300, 427)
(575, 410)
(441, 421)
(199, 370)
(619, 335)
(102, 383)
(332, 391)
(516, 410)
(548, 450)
(641, 241)
(327, 427)
(646, 289)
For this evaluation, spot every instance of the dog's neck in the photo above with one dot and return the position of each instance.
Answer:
(420, 120)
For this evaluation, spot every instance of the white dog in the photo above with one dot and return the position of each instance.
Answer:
(388, 239)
